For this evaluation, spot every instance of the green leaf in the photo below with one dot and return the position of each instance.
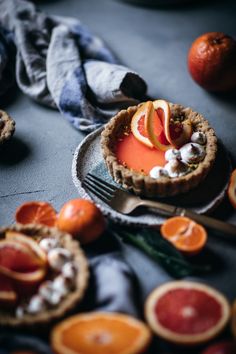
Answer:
(152, 243)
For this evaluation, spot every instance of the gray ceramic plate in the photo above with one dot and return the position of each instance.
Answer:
(203, 199)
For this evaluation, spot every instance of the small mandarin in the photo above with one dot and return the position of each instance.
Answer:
(82, 219)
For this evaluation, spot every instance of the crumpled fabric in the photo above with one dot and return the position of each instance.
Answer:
(113, 286)
(7, 61)
(61, 64)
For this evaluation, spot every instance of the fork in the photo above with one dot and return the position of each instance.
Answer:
(125, 203)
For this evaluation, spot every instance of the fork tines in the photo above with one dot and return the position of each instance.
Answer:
(102, 189)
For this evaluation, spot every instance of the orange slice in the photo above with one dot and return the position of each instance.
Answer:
(8, 297)
(19, 263)
(29, 243)
(36, 213)
(100, 333)
(177, 133)
(185, 234)
(137, 123)
(187, 313)
(153, 119)
(232, 189)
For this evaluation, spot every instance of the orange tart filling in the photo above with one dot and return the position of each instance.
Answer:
(137, 156)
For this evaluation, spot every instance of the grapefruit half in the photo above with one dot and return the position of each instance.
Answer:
(186, 313)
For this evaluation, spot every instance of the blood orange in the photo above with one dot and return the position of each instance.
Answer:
(100, 333)
(19, 263)
(212, 61)
(176, 133)
(35, 212)
(138, 126)
(225, 347)
(159, 116)
(29, 243)
(187, 313)
(82, 219)
(232, 189)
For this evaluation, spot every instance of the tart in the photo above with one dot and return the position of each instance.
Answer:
(158, 160)
(7, 127)
(47, 293)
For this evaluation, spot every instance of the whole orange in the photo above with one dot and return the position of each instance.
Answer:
(212, 61)
(82, 219)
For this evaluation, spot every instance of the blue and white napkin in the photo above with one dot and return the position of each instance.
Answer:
(60, 63)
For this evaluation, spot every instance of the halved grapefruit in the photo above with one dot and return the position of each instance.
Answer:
(100, 333)
(224, 347)
(232, 189)
(19, 263)
(8, 296)
(177, 133)
(186, 313)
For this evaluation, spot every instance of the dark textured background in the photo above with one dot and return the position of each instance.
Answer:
(36, 164)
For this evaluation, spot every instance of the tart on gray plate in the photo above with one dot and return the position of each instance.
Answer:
(158, 149)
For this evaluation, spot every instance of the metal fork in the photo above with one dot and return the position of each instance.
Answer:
(125, 203)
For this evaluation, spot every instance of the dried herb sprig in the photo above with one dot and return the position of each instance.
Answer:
(152, 243)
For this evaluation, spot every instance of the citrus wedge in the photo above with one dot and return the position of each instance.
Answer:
(177, 133)
(19, 263)
(138, 123)
(100, 333)
(185, 234)
(187, 313)
(29, 243)
(35, 212)
(232, 189)
(160, 115)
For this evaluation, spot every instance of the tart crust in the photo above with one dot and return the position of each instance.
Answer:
(142, 184)
(38, 232)
(7, 127)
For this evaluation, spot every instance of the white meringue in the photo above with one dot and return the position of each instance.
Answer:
(47, 244)
(192, 153)
(157, 172)
(199, 138)
(57, 257)
(69, 270)
(172, 154)
(176, 168)
(36, 305)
